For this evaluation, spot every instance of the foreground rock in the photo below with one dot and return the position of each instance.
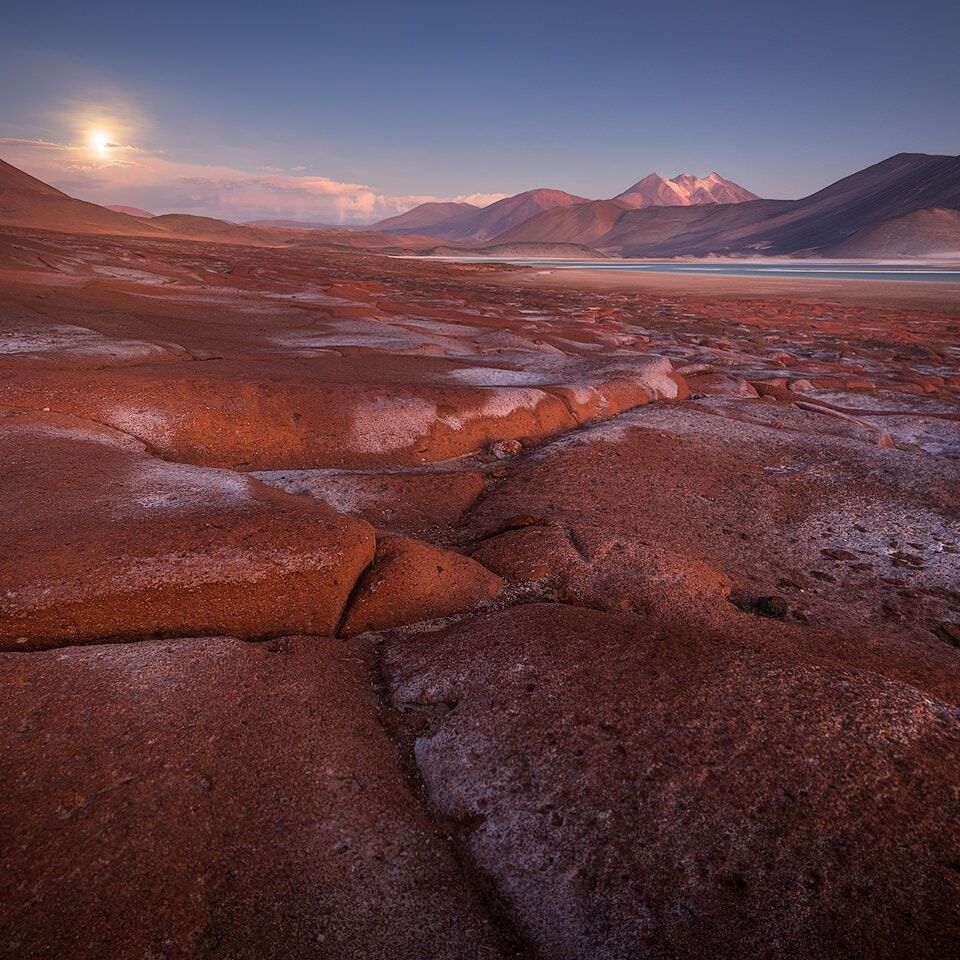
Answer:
(291, 368)
(104, 541)
(731, 732)
(690, 515)
(410, 581)
(631, 792)
(107, 542)
(213, 798)
(420, 502)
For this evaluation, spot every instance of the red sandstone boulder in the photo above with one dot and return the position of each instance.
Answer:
(275, 414)
(411, 581)
(102, 540)
(720, 385)
(529, 554)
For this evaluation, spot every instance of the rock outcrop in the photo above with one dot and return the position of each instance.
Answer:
(358, 607)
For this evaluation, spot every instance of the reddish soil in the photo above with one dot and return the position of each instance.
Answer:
(357, 607)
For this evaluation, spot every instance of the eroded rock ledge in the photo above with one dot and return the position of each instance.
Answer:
(107, 542)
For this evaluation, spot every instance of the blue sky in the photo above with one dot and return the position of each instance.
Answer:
(449, 99)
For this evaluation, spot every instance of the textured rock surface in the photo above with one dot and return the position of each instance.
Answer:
(632, 792)
(209, 797)
(674, 513)
(102, 540)
(425, 503)
(709, 710)
(410, 581)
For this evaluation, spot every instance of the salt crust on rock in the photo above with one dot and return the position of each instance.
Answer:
(630, 791)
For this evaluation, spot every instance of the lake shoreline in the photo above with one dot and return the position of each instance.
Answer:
(926, 295)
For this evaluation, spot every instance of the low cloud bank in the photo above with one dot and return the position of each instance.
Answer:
(132, 176)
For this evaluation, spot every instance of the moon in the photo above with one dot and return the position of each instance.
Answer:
(99, 142)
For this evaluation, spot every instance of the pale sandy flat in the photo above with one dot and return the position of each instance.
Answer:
(886, 293)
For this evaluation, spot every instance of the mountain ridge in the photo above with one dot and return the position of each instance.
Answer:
(806, 227)
(484, 223)
(429, 214)
(872, 209)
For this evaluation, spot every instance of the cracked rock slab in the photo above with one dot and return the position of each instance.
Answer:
(632, 794)
(673, 509)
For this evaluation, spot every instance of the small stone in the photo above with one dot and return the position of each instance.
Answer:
(839, 554)
(772, 606)
(950, 632)
(506, 449)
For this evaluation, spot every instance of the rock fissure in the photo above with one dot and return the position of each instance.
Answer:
(394, 719)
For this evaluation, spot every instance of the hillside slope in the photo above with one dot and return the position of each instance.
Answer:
(28, 202)
(922, 233)
(489, 222)
(582, 223)
(423, 216)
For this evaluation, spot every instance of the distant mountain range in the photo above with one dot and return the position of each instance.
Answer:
(465, 223)
(813, 226)
(905, 206)
(28, 202)
(689, 216)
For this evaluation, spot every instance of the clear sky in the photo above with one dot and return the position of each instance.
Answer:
(355, 110)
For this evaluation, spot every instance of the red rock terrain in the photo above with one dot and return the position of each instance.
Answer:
(355, 607)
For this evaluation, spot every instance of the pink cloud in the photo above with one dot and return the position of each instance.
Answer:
(481, 199)
(162, 185)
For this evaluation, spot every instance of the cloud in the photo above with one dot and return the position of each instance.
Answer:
(126, 174)
(481, 199)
